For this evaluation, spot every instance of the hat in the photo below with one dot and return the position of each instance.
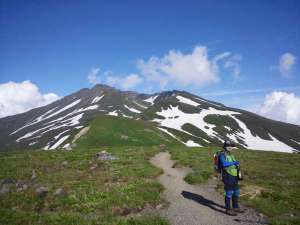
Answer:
(228, 143)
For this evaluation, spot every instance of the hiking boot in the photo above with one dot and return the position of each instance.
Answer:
(230, 212)
(238, 210)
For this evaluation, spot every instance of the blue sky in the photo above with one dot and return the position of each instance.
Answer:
(56, 45)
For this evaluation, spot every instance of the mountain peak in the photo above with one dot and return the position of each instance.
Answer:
(103, 87)
(192, 120)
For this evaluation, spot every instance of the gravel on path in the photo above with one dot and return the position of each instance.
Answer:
(195, 204)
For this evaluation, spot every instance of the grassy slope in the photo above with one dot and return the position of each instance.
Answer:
(116, 131)
(103, 195)
(100, 196)
(277, 174)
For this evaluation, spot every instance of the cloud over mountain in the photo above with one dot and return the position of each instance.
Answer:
(20, 97)
(281, 106)
(286, 64)
(191, 69)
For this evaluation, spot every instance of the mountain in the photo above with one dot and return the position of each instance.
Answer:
(187, 118)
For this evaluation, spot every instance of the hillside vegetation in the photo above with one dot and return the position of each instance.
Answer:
(118, 131)
(97, 192)
(271, 179)
(81, 189)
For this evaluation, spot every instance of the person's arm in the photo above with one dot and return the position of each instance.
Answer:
(225, 163)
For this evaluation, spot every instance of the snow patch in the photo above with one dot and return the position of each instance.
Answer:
(113, 113)
(63, 109)
(295, 141)
(145, 107)
(151, 99)
(124, 115)
(227, 128)
(97, 99)
(33, 143)
(32, 133)
(191, 143)
(67, 146)
(92, 107)
(175, 118)
(38, 119)
(47, 147)
(83, 131)
(187, 101)
(57, 136)
(59, 142)
(42, 117)
(255, 142)
(169, 133)
(73, 121)
(132, 109)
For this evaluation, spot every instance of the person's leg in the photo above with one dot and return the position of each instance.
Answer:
(228, 187)
(235, 201)
(228, 196)
(235, 198)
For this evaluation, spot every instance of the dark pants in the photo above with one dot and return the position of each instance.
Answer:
(232, 190)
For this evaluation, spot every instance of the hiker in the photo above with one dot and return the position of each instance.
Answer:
(229, 171)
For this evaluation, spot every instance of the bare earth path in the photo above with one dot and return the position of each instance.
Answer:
(195, 205)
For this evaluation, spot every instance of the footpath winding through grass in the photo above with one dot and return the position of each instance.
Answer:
(98, 192)
(271, 179)
(116, 191)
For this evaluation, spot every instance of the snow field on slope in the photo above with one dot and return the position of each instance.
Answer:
(145, 107)
(59, 142)
(41, 118)
(191, 143)
(97, 99)
(113, 113)
(57, 136)
(132, 109)
(197, 119)
(38, 119)
(255, 142)
(187, 101)
(60, 122)
(151, 99)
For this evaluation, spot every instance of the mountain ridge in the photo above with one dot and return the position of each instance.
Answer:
(189, 118)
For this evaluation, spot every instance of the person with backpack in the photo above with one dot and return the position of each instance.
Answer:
(229, 169)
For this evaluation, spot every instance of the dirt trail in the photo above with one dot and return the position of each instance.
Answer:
(195, 205)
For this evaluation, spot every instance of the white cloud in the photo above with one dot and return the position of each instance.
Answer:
(287, 61)
(249, 91)
(109, 78)
(221, 56)
(190, 69)
(173, 69)
(126, 82)
(281, 106)
(92, 76)
(195, 69)
(131, 81)
(20, 97)
(233, 64)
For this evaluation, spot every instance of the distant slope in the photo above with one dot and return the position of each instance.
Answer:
(189, 119)
(118, 131)
(194, 119)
